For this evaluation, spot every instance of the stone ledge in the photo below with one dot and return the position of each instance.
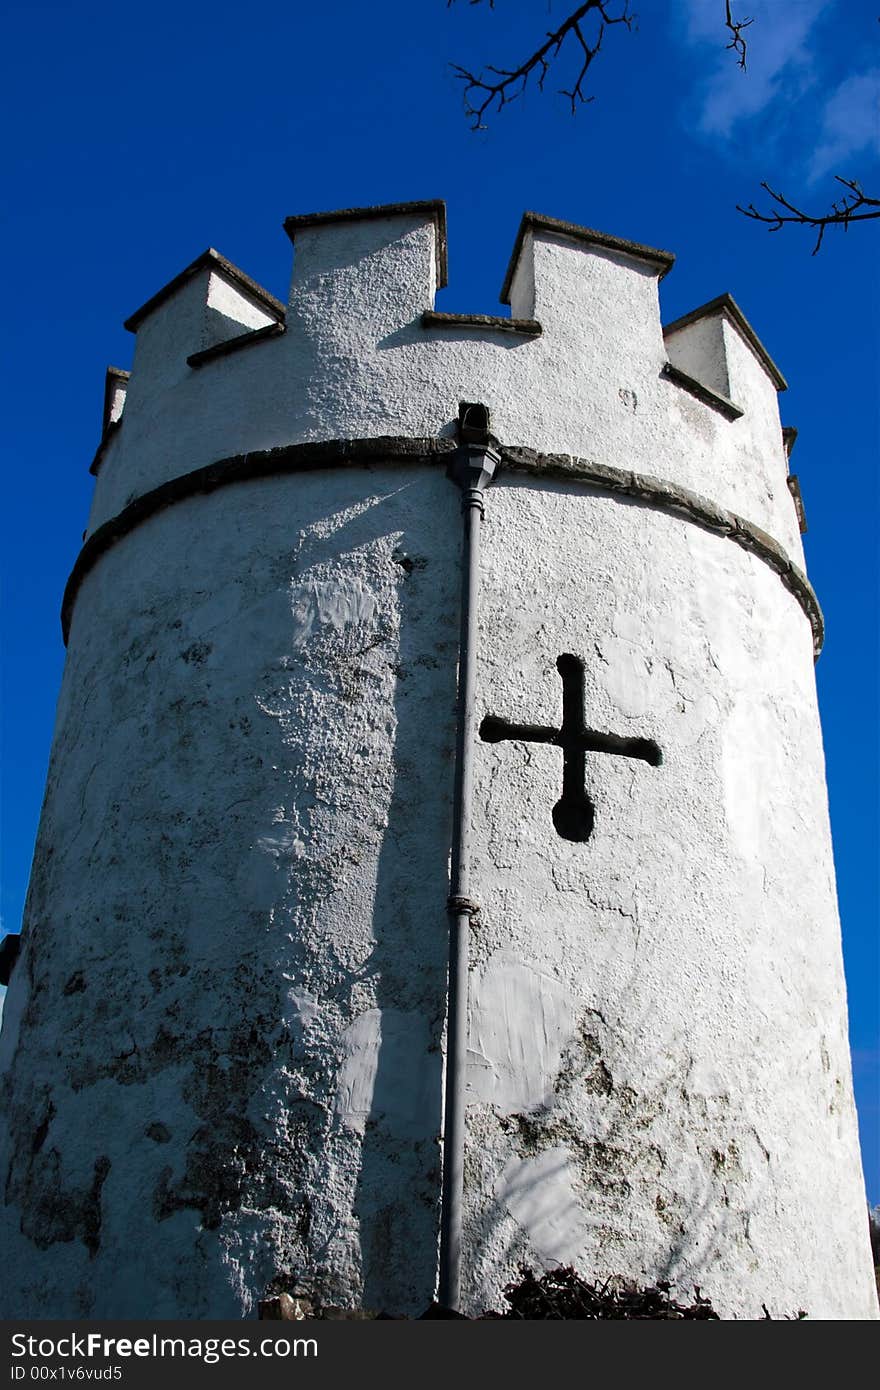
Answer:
(526, 328)
(242, 340)
(332, 453)
(695, 388)
(794, 487)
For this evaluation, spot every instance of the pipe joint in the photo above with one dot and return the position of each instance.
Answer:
(473, 466)
(472, 499)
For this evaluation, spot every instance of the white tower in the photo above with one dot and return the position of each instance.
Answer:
(225, 1037)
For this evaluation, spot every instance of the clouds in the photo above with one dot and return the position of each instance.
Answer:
(803, 84)
(850, 124)
(779, 59)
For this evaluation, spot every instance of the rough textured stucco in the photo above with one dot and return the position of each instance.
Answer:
(256, 719)
(678, 975)
(222, 1048)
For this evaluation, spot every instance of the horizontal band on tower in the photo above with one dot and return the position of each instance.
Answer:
(334, 453)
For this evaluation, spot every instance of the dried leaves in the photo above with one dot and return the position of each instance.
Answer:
(562, 1293)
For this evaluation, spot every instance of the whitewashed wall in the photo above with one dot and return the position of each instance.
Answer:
(223, 1041)
(660, 1068)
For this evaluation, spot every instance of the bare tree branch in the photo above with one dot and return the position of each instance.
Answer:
(498, 87)
(737, 42)
(491, 89)
(848, 208)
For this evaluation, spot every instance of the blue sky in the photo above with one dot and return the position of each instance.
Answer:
(143, 135)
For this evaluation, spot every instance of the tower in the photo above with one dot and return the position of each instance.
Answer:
(307, 737)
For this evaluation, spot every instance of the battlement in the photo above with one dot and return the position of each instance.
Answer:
(581, 366)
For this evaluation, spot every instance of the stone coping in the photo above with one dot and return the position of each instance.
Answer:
(526, 328)
(209, 259)
(794, 487)
(661, 261)
(428, 207)
(333, 453)
(241, 340)
(725, 407)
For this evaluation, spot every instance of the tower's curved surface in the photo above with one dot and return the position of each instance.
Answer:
(224, 1039)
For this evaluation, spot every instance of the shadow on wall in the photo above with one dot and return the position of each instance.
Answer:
(349, 877)
(398, 1191)
(362, 843)
(264, 903)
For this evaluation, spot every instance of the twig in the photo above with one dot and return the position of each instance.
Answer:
(481, 91)
(737, 43)
(849, 208)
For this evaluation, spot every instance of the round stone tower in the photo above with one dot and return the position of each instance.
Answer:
(434, 875)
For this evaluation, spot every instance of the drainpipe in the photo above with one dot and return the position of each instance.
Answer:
(472, 468)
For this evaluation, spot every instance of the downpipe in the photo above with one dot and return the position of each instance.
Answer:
(473, 468)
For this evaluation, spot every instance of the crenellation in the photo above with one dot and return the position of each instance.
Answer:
(230, 309)
(535, 224)
(707, 338)
(370, 276)
(107, 447)
(209, 260)
(794, 487)
(430, 209)
(613, 298)
(593, 293)
(697, 347)
(749, 378)
(518, 289)
(116, 381)
(208, 303)
(579, 366)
